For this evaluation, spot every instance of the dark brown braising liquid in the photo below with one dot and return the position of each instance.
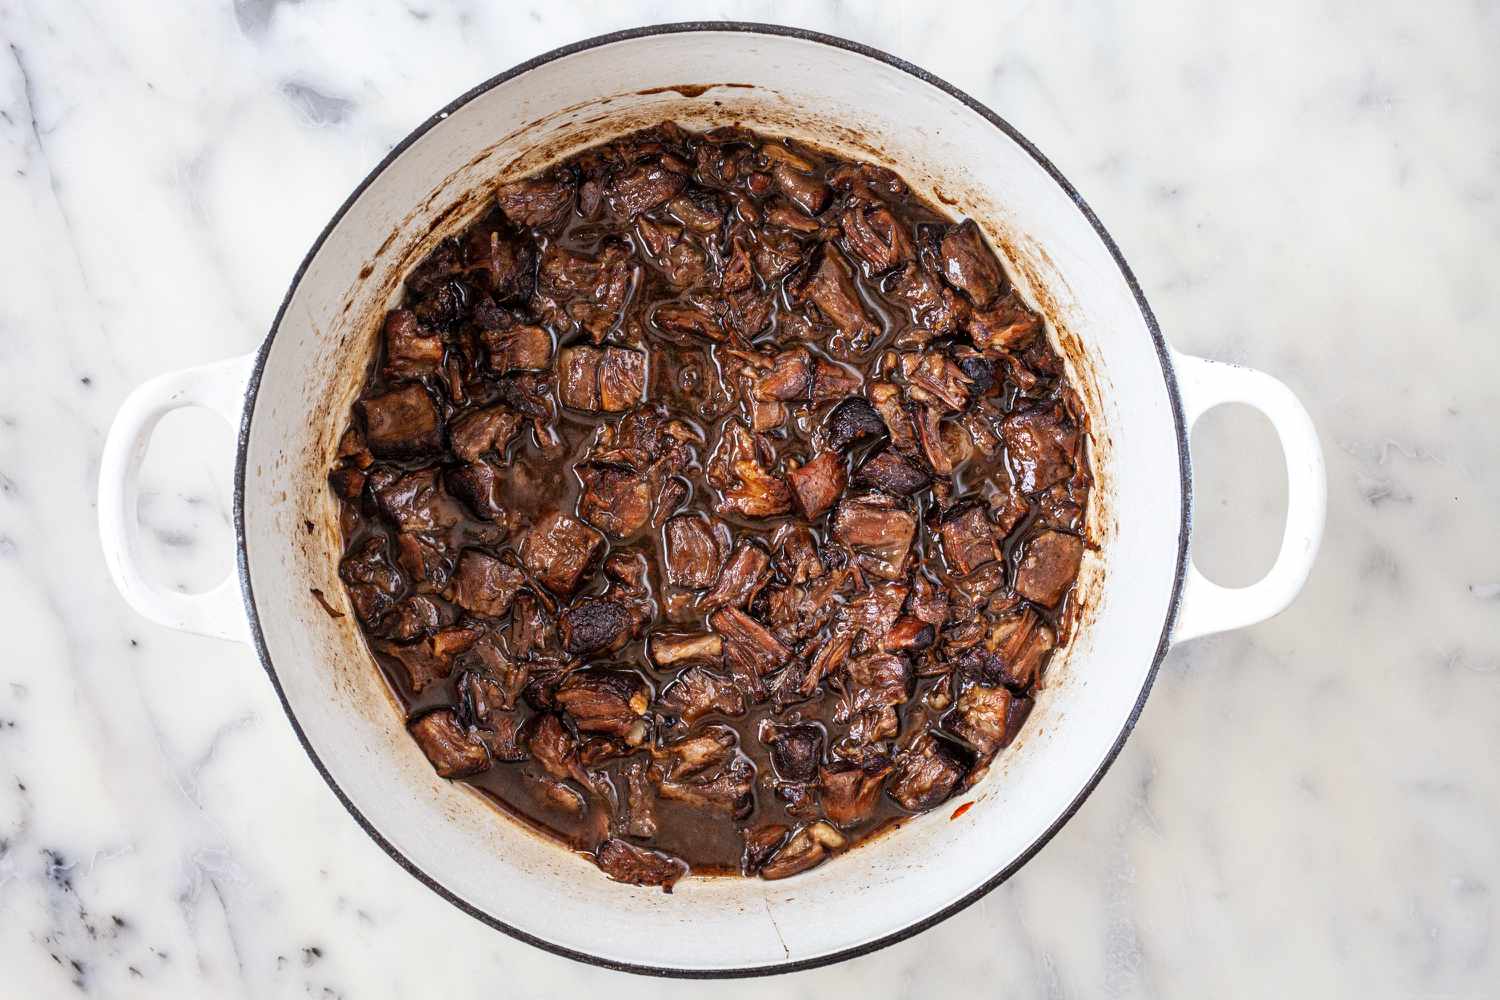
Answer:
(737, 228)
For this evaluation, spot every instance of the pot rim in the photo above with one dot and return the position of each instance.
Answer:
(1169, 378)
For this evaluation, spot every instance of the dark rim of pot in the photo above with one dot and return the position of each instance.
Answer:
(1168, 378)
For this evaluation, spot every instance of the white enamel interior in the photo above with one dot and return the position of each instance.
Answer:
(821, 94)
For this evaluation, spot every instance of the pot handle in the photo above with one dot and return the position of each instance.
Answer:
(1207, 607)
(220, 387)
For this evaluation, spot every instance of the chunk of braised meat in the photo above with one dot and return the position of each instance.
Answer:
(1048, 567)
(680, 260)
(498, 261)
(927, 601)
(874, 684)
(850, 792)
(698, 691)
(1040, 443)
(594, 625)
(930, 439)
(1019, 646)
(796, 751)
(979, 717)
(817, 485)
(871, 615)
(744, 485)
(484, 584)
(886, 398)
(426, 561)
(612, 379)
(537, 201)
(616, 499)
(402, 423)
(926, 773)
(502, 738)
(874, 238)
(936, 380)
(937, 310)
(751, 651)
(531, 628)
(518, 348)
(612, 702)
(969, 265)
(492, 689)
(454, 752)
(797, 612)
(480, 431)
(878, 531)
(827, 286)
(422, 666)
(625, 862)
(890, 472)
(577, 290)
(969, 538)
(853, 422)
(741, 578)
(410, 349)
(1006, 326)
(761, 842)
(552, 746)
(909, 635)
(417, 502)
(795, 553)
(776, 254)
(693, 552)
(807, 848)
(371, 579)
(706, 771)
(643, 187)
(795, 178)
(688, 321)
(557, 549)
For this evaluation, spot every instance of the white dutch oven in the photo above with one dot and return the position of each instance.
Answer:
(291, 399)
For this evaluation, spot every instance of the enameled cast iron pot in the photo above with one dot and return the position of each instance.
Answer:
(291, 398)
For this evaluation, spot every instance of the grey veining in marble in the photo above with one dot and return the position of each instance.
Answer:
(1309, 807)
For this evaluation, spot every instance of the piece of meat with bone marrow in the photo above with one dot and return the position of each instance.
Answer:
(890, 472)
(850, 792)
(596, 624)
(557, 549)
(807, 848)
(611, 702)
(698, 691)
(817, 485)
(1040, 444)
(454, 752)
(969, 265)
(1048, 567)
(741, 579)
(402, 423)
(693, 552)
(796, 751)
(878, 531)
(625, 862)
(744, 485)
(484, 584)
(487, 430)
(671, 649)
(979, 717)
(926, 773)
(537, 201)
(853, 422)
(968, 538)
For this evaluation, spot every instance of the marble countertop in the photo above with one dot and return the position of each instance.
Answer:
(1310, 805)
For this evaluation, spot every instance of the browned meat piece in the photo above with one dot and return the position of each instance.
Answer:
(670, 649)
(480, 486)
(874, 237)
(741, 579)
(687, 320)
(930, 437)
(796, 553)
(519, 348)
(453, 751)
(926, 773)
(502, 739)
(1021, 643)
(413, 618)
(1040, 444)
(1049, 567)
(807, 848)
(557, 550)
(796, 751)
(1006, 326)
(969, 265)
(783, 214)
(789, 377)
(873, 613)
(479, 431)
(531, 628)
(935, 309)
(410, 350)
(747, 644)
(484, 584)
(873, 685)
(594, 624)
(831, 381)
(850, 792)
(877, 531)
(817, 485)
(616, 500)
(928, 602)
(853, 422)
(589, 292)
(979, 716)
(698, 209)
(552, 746)
(622, 379)
(578, 377)
(416, 502)
(968, 538)
(827, 285)
(936, 380)
(625, 862)
(347, 484)
(488, 695)
(373, 582)
(745, 486)
(641, 188)
(683, 264)
(537, 201)
(697, 692)
(498, 261)
(797, 612)
(775, 254)
(889, 472)
(421, 665)
(637, 817)
(611, 702)
(693, 554)
(403, 423)
(761, 842)
(706, 770)
(793, 179)
(886, 399)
